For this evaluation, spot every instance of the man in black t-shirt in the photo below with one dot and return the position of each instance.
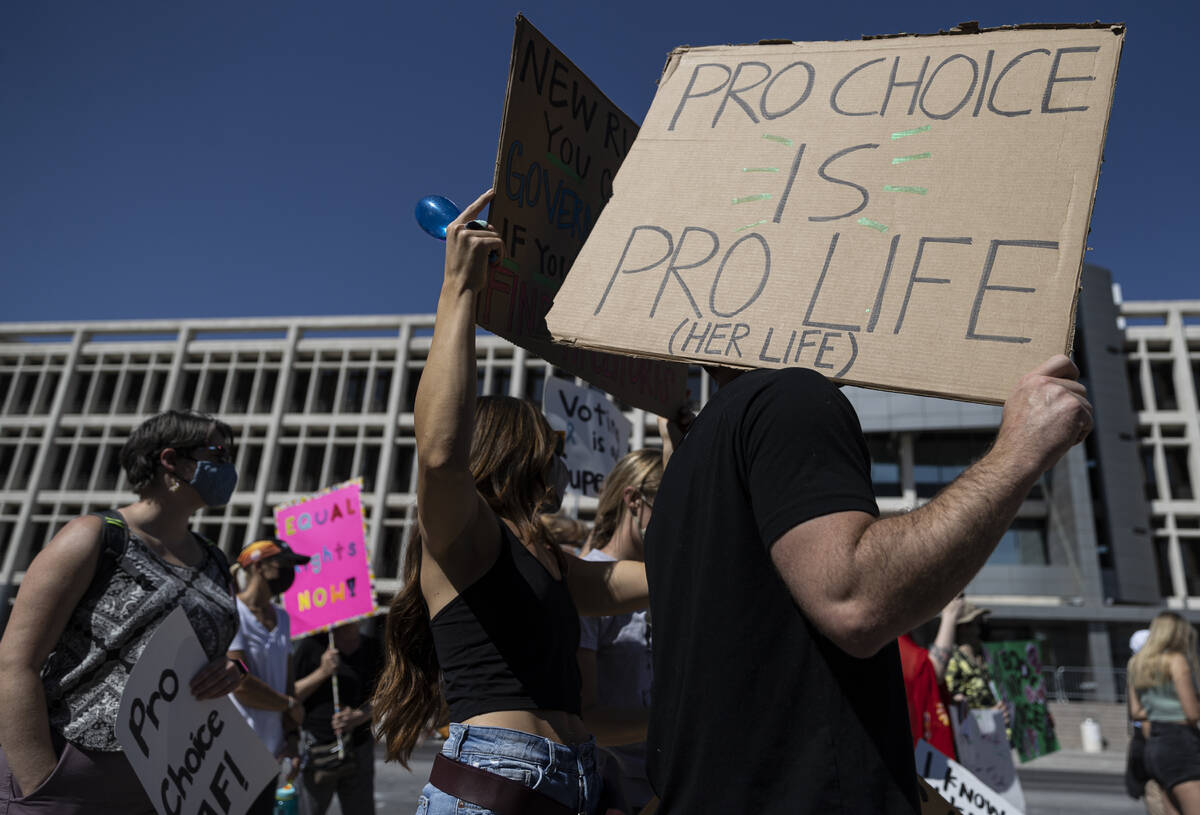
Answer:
(777, 593)
(357, 661)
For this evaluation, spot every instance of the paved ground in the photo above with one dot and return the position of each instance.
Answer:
(1069, 782)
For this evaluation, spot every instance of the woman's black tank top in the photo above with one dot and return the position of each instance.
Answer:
(508, 641)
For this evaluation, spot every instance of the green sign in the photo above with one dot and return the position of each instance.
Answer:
(1017, 670)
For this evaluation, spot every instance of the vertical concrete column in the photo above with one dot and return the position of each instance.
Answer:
(20, 544)
(1100, 657)
(270, 445)
(171, 389)
(516, 385)
(387, 454)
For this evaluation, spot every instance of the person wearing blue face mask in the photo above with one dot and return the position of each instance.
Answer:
(90, 601)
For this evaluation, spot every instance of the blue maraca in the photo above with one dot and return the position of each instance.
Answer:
(434, 214)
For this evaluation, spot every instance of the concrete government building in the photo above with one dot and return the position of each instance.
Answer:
(1108, 537)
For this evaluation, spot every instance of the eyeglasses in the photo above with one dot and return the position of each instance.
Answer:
(221, 453)
(560, 442)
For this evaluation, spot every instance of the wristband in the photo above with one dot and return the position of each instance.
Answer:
(241, 666)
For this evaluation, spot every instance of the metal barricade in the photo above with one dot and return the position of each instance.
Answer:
(1067, 683)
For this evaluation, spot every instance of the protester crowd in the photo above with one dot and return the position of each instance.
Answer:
(731, 636)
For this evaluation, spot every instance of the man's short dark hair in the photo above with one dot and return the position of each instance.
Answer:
(180, 429)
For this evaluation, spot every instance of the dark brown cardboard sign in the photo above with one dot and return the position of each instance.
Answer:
(907, 213)
(561, 143)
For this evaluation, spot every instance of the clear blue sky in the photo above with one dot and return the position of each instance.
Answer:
(263, 158)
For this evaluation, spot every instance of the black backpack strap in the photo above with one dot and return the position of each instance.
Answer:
(114, 537)
(218, 556)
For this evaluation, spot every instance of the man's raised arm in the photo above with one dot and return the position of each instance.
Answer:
(864, 581)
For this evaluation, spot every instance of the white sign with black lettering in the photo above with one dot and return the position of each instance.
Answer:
(597, 433)
(961, 788)
(193, 757)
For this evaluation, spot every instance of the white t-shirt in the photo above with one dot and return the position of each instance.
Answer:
(267, 658)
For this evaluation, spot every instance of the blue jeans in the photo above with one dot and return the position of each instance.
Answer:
(566, 774)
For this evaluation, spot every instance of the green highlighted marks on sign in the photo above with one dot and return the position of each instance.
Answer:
(894, 188)
(510, 264)
(750, 226)
(878, 227)
(761, 196)
(557, 162)
(760, 169)
(902, 133)
(780, 139)
(902, 159)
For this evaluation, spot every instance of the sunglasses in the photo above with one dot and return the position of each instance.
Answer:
(221, 453)
(560, 442)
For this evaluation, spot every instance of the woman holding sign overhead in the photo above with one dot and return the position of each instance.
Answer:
(89, 603)
(490, 604)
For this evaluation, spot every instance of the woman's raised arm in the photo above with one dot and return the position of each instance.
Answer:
(447, 502)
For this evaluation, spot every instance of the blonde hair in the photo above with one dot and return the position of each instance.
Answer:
(1169, 634)
(642, 470)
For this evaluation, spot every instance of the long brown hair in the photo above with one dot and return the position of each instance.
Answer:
(512, 449)
(642, 470)
(1169, 634)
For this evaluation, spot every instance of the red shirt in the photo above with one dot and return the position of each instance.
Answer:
(926, 713)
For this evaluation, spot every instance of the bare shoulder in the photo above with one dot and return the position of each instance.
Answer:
(1177, 663)
(79, 539)
(70, 554)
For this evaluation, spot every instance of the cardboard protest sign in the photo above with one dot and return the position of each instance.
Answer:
(958, 786)
(597, 433)
(981, 743)
(336, 585)
(193, 757)
(906, 213)
(1017, 670)
(561, 142)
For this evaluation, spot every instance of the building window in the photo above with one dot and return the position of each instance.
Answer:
(940, 458)
(310, 469)
(1189, 548)
(239, 396)
(327, 380)
(132, 395)
(535, 383)
(381, 390)
(1162, 377)
(885, 465)
(266, 391)
(370, 466)
(77, 394)
(1135, 385)
(354, 390)
(1178, 475)
(214, 387)
(108, 474)
(1149, 473)
(1024, 544)
(402, 468)
(285, 457)
(299, 395)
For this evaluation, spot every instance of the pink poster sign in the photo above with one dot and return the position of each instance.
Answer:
(336, 585)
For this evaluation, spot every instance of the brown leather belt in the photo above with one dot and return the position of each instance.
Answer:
(491, 791)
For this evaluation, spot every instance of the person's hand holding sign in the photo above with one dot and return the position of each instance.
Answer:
(347, 719)
(1047, 413)
(468, 245)
(218, 678)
